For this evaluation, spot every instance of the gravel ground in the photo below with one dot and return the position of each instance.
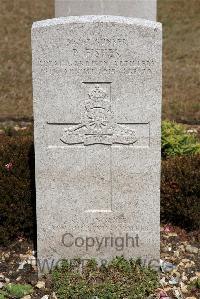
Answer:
(180, 263)
(180, 266)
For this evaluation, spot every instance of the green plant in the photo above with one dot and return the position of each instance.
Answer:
(176, 140)
(180, 191)
(195, 284)
(119, 279)
(3, 294)
(18, 290)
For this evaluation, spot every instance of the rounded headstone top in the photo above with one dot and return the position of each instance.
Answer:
(96, 19)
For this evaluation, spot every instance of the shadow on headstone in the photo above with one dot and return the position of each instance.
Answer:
(31, 162)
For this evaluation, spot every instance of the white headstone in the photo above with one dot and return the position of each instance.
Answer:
(97, 111)
(146, 9)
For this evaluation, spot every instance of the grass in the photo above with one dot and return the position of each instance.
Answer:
(195, 284)
(15, 54)
(16, 291)
(181, 97)
(180, 20)
(119, 279)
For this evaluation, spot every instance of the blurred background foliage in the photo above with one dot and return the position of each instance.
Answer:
(178, 140)
(181, 30)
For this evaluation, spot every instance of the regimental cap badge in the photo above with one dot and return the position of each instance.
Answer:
(98, 97)
(97, 93)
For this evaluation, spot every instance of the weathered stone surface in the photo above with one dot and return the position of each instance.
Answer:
(97, 109)
(146, 9)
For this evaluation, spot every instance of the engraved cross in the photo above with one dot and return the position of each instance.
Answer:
(98, 132)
